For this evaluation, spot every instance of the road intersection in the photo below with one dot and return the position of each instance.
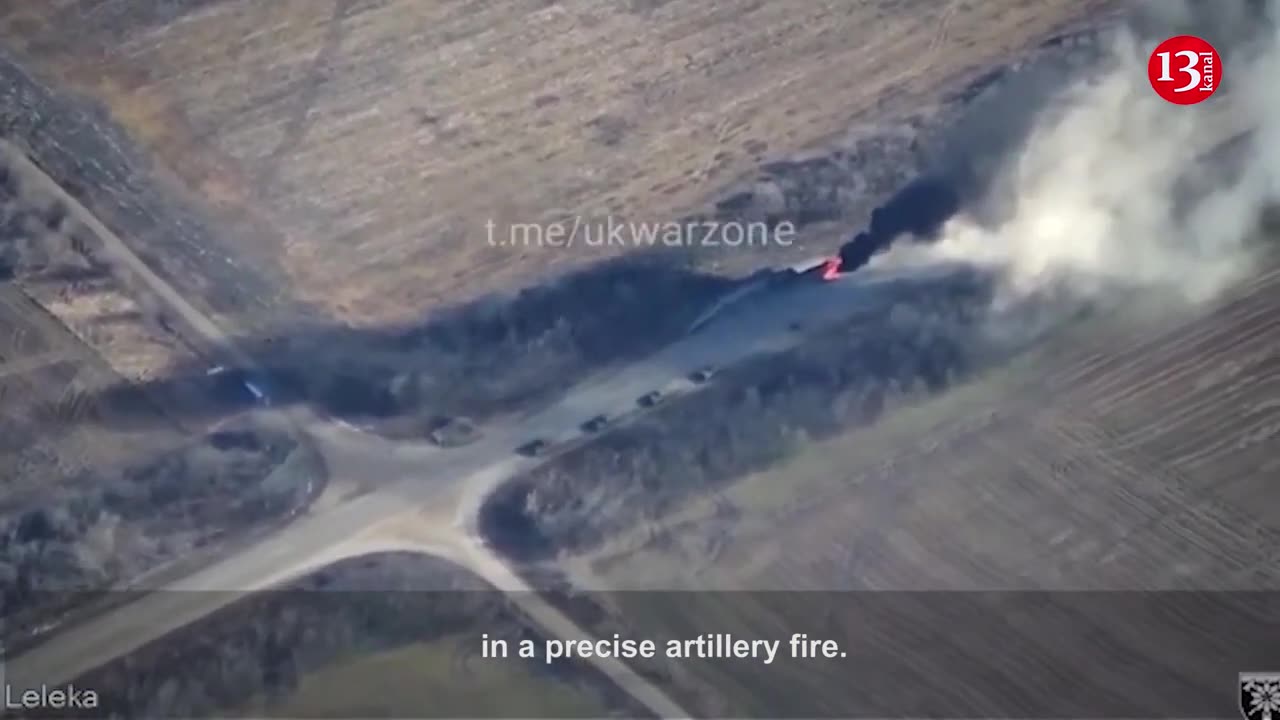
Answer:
(409, 477)
(412, 476)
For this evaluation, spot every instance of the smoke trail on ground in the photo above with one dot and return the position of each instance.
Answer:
(918, 211)
(1110, 186)
(1099, 183)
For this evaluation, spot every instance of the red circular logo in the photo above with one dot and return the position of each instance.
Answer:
(1185, 70)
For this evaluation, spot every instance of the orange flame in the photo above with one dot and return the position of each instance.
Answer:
(831, 269)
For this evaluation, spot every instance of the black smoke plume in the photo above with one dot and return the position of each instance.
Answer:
(917, 211)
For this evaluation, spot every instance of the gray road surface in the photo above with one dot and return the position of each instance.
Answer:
(417, 475)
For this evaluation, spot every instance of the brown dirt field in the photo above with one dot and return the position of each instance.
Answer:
(1132, 453)
(101, 306)
(358, 148)
(1095, 463)
(43, 365)
(1135, 451)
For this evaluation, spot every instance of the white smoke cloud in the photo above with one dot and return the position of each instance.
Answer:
(1110, 187)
